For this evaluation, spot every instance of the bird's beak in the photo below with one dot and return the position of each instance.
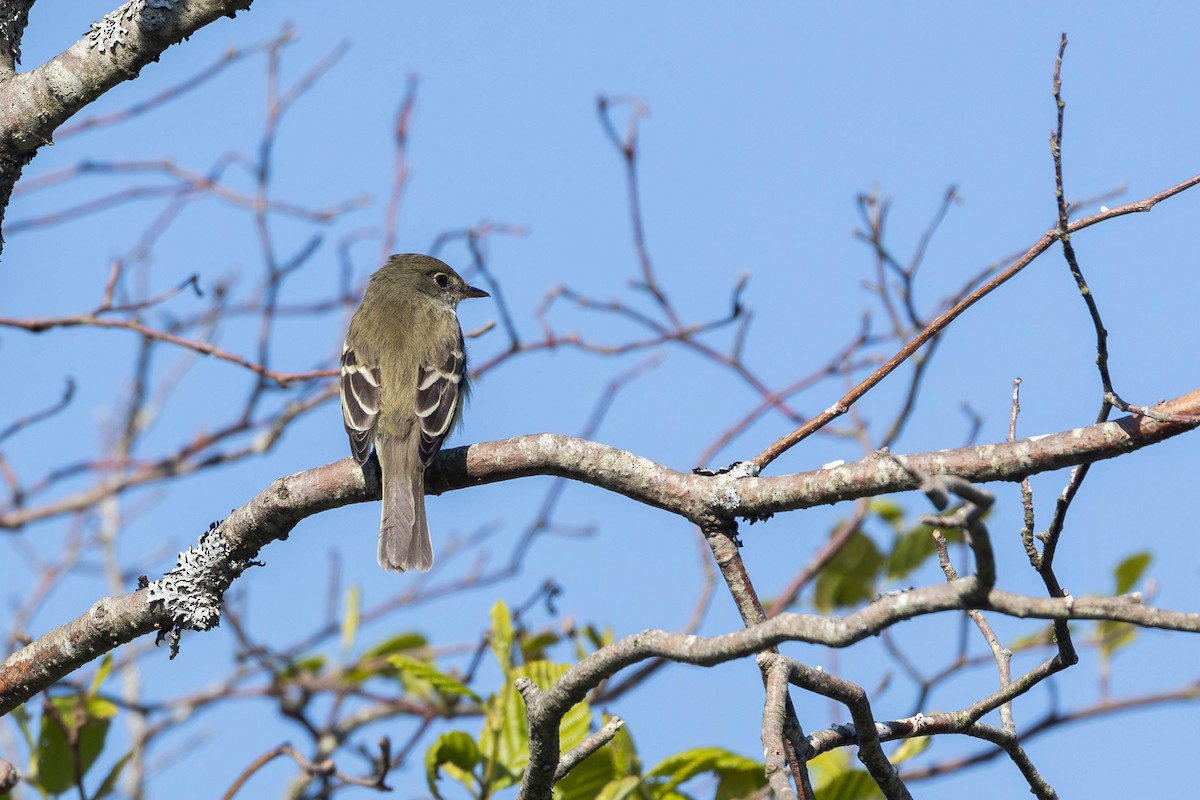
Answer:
(471, 291)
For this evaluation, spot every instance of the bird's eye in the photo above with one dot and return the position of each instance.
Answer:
(442, 279)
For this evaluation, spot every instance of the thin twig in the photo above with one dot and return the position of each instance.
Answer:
(785, 443)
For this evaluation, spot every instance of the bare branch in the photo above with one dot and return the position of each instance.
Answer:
(115, 50)
(274, 513)
(785, 443)
(573, 757)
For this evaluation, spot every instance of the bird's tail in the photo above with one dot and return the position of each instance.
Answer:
(403, 532)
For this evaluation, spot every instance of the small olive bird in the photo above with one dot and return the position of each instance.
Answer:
(404, 382)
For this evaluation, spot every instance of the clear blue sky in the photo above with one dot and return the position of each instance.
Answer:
(765, 122)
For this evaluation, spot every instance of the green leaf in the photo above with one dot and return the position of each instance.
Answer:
(575, 726)
(910, 748)
(1130, 570)
(425, 671)
(622, 751)
(912, 549)
(502, 637)
(55, 763)
(586, 781)
(620, 789)
(689, 763)
(853, 785)
(576, 723)
(738, 777)
(849, 578)
(1042, 636)
(373, 663)
(737, 774)
(401, 643)
(455, 753)
(504, 742)
(599, 638)
(1112, 636)
(534, 646)
(589, 634)
(305, 664)
(887, 511)
(109, 785)
(351, 617)
(736, 785)
(98, 708)
(106, 665)
(828, 765)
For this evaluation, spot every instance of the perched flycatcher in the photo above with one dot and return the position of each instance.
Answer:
(404, 381)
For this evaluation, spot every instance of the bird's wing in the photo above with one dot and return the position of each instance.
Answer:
(439, 392)
(360, 401)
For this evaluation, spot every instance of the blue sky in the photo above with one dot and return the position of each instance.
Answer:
(764, 124)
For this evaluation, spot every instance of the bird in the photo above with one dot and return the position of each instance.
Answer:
(403, 385)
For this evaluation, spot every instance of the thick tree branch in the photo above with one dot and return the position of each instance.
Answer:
(775, 750)
(14, 16)
(549, 705)
(33, 104)
(704, 499)
(116, 620)
(854, 697)
(274, 513)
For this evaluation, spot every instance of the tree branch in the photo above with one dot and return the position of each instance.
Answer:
(782, 445)
(273, 514)
(33, 104)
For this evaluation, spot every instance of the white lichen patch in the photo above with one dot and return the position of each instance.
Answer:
(65, 84)
(113, 29)
(192, 593)
(743, 469)
(729, 500)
